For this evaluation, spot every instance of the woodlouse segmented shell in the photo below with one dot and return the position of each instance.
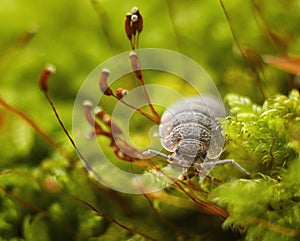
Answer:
(190, 128)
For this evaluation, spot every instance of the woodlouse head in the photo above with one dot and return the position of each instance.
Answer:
(190, 130)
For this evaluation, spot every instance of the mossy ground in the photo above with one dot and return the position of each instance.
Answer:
(46, 196)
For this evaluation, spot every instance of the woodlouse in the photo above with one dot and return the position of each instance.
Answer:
(191, 131)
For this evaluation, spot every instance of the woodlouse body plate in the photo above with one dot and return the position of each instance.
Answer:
(191, 130)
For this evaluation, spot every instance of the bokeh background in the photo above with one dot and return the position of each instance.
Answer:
(76, 36)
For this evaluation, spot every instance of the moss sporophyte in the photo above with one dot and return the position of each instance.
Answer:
(151, 129)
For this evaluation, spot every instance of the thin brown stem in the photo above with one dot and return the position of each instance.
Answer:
(204, 206)
(100, 213)
(105, 25)
(59, 120)
(35, 126)
(34, 208)
(248, 64)
(279, 44)
(136, 67)
(136, 109)
(147, 97)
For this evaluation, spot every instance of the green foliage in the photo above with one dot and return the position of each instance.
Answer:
(35, 229)
(43, 193)
(267, 134)
(267, 206)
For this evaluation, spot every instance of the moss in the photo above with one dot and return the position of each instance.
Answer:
(267, 205)
(47, 195)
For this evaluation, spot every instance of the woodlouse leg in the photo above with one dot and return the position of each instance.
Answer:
(223, 162)
(167, 157)
(184, 175)
(157, 153)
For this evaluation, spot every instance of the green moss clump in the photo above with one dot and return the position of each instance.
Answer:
(267, 134)
(266, 207)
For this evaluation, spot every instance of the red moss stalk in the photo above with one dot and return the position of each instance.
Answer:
(49, 70)
(105, 89)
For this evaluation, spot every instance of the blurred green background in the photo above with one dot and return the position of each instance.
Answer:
(76, 36)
